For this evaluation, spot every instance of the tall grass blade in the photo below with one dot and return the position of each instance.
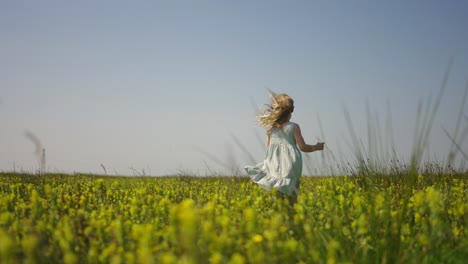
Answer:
(423, 135)
(244, 149)
(260, 141)
(370, 138)
(322, 135)
(455, 144)
(390, 137)
(417, 131)
(308, 164)
(360, 163)
(453, 153)
(453, 147)
(327, 153)
(214, 158)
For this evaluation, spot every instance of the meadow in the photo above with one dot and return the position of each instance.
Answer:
(384, 211)
(55, 218)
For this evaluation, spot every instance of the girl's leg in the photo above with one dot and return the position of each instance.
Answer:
(292, 200)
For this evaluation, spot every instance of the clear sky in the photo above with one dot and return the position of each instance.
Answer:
(172, 86)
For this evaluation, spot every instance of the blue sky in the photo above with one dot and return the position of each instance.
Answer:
(166, 86)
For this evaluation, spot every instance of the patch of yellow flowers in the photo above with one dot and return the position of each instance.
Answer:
(91, 219)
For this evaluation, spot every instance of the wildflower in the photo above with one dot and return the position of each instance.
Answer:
(417, 217)
(357, 201)
(420, 178)
(423, 240)
(237, 259)
(333, 248)
(216, 258)
(257, 238)
(291, 244)
(362, 225)
(341, 199)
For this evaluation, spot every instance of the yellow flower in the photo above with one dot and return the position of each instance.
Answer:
(257, 239)
(237, 259)
(423, 240)
(362, 225)
(291, 244)
(357, 201)
(341, 199)
(420, 177)
(216, 258)
(456, 231)
(417, 217)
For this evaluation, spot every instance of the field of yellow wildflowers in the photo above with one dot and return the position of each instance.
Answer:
(93, 219)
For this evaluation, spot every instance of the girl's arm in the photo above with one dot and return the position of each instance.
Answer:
(268, 141)
(301, 143)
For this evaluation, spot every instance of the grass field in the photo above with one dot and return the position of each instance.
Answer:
(93, 219)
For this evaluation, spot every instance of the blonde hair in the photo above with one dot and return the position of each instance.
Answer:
(278, 111)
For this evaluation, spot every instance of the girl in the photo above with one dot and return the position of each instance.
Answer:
(282, 166)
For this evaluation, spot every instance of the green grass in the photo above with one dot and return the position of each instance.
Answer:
(94, 219)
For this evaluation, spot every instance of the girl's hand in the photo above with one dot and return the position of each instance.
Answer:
(319, 146)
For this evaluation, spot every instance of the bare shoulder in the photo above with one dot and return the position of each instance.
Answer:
(296, 127)
(297, 130)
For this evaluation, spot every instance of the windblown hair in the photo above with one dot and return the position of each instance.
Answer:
(278, 111)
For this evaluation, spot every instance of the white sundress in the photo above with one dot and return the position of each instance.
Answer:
(282, 166)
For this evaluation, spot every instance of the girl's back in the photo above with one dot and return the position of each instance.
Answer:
(282, 135)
